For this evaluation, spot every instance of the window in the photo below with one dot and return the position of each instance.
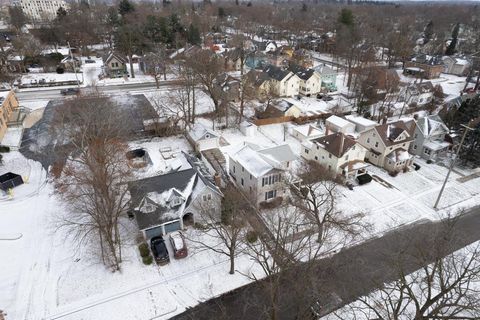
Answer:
(207, 197)
(270, 194)
(415, 147)
(316, 158)
(353, 148)
(376, 144)
(243, 169)
(391, 148)
(306, 151)
(346, 157)
(368, 140)
(241, 181)
(250, 177)
(415, 136)
(233, 169)
(177, 201)
(427, 151)
(329, 167)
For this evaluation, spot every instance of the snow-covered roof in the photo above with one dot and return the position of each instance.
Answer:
(431, 125)
(279, 154)
(436, 145)
(252, 161)
(199, 132)
(361, 121)
(308, 130)
(338, 122)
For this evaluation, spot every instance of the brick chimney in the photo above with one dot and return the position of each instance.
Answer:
(218, 180)
(342, 141)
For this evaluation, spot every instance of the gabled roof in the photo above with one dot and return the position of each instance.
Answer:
(421, 87)
(259, 161)
(198, 132)
(389, 132)
(431, 125)
(233, 55)
(107, 58)
(301, 72)
(337, 143)
(276, 73)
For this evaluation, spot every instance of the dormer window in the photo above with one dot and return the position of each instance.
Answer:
(148, 208)
(207, 136)
(176, 202)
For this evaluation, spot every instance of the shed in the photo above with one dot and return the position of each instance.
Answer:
(10, 180)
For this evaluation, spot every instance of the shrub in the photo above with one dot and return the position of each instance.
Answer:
(393, 173)
(199, 226)
(60, 70)
(4, 149)
(252, 236)
(144, 251)
(147, 260)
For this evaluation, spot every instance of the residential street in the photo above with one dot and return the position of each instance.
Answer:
(54, 93)
(349, 274)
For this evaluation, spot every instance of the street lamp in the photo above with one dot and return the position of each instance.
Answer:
(452, 163)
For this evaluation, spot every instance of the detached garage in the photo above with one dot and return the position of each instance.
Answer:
(162, 229)
(10, 180)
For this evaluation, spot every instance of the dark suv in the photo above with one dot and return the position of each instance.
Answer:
(70, 91)
(159, 249)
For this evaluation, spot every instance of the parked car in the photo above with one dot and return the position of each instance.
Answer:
(70, 91)
(89, 61)
(178, 244)
(159, 250)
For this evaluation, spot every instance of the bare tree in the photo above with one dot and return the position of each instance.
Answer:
(156, 64)
(93, 181)
(283, 253)
(207, 67)
(224, 236)
(316, 196)
(446, 287)
(173, 111)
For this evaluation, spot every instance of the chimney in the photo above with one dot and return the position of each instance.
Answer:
(218, 180)
(342, 141)
(326, 130)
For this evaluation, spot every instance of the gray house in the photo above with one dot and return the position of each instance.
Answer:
(260, 172)
(429, 138)
(169, 202)
(114, 65)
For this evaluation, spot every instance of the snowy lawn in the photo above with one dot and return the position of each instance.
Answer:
(45, 277)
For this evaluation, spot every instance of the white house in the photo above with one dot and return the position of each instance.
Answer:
(285, 82)
(456, 65)
(337, 124)
(419, 93)
(388, 144)
(338, 153)
(310, 80)
(202, 138)
(260, 172)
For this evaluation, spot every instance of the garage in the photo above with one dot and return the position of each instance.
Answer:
(163, 229)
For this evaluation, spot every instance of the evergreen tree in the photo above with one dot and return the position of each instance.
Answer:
(61, 13)
(125, 7)
(221, 12)
(193, 35)
(346, 18)
(453, 43)
(428, 31)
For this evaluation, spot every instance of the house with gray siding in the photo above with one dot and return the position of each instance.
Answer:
(430, 133)
(169, 202)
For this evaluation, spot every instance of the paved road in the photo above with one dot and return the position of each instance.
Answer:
(54, 93)
(349, 274)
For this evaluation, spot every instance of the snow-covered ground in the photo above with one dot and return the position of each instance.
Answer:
(46, 277)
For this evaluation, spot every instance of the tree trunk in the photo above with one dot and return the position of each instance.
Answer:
(193, 103)
(157, 83)
(131, 67)
(232, 262)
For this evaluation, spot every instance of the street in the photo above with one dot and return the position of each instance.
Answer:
(54, 93)
(351, 273)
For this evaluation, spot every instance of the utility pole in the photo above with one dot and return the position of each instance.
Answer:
(452, 163)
